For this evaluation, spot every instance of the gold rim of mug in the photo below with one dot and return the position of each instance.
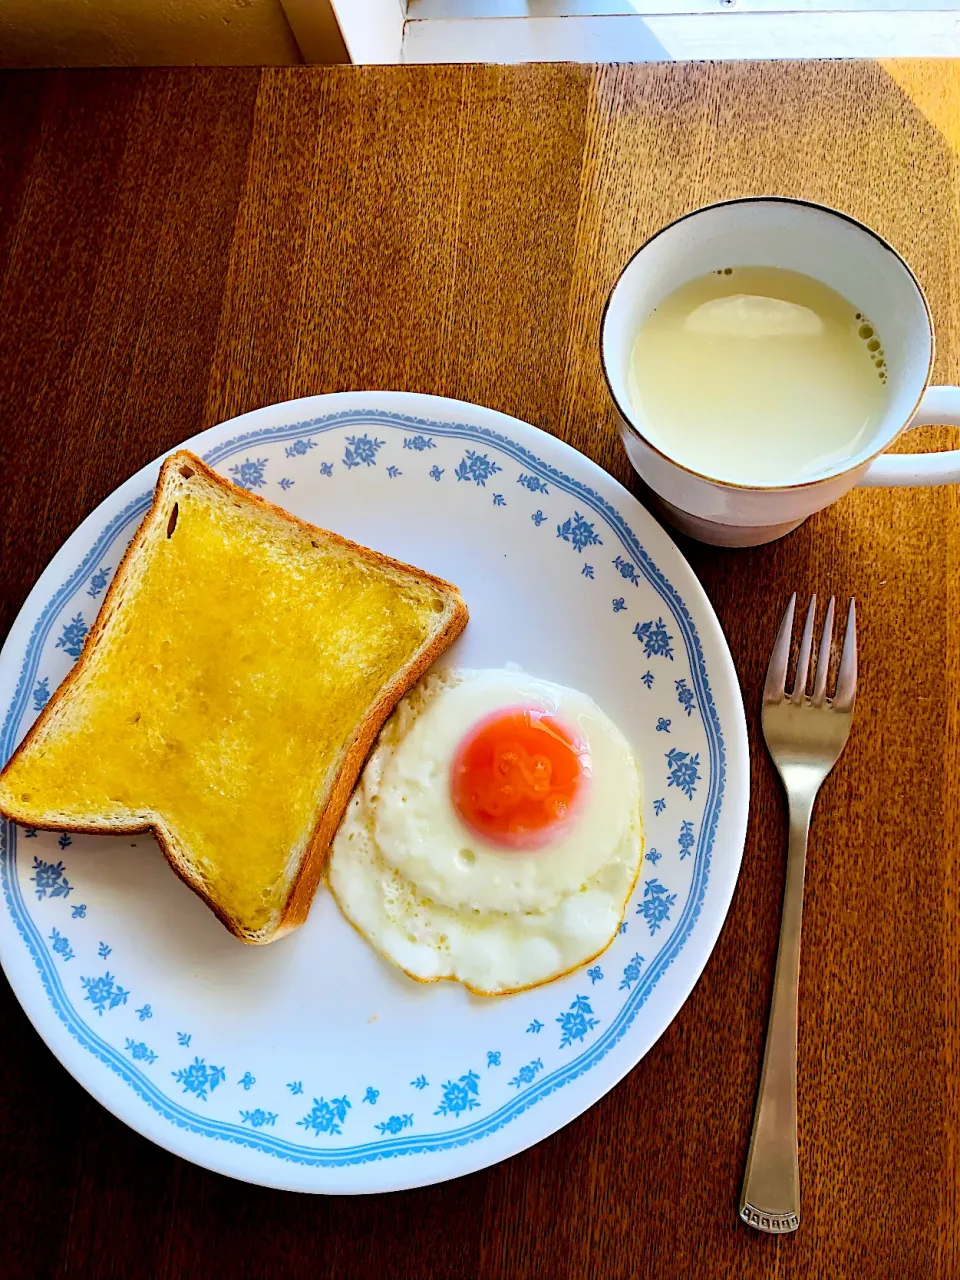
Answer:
(806, 204)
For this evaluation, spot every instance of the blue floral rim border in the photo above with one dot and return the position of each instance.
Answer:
(589, 1057)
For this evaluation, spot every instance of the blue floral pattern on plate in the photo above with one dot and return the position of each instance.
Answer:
(325, 1117)
(72, 636)
(206, 1093)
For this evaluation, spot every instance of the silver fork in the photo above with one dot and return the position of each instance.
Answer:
(805, 736)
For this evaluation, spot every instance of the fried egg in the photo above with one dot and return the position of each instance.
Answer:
(494, 837)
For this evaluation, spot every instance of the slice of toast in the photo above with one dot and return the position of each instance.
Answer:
(239, 669)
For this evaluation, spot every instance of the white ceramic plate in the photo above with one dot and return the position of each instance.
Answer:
(312, 1064)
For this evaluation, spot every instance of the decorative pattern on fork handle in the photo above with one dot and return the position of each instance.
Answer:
(769, 1221)
(805, 735)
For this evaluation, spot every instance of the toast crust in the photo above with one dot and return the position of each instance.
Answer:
(305, 883)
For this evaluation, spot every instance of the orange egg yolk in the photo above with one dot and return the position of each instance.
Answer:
(518, 776)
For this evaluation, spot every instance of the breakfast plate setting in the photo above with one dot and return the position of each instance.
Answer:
(318, 1063)
(475, 830)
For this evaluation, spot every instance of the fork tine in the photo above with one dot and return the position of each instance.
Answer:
(823, 658)
(803, 659)
(776, 681)
(847, 676)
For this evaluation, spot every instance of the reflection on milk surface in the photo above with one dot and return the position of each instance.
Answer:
(758, 376)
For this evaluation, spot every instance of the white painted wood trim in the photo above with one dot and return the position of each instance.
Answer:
(316, 30)
(372, 29)
(420, 10)
(682, 37)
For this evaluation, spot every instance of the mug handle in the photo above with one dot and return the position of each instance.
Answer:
(939, 406)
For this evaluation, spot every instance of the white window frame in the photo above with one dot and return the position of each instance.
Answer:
(509, 31)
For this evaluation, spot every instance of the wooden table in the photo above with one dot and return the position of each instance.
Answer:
(178, 247)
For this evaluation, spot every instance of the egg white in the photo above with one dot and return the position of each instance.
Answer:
(440, 902)
(419, 833)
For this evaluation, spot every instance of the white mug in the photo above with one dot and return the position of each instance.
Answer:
(841, 253)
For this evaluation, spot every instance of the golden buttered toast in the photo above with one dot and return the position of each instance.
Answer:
(227, 695)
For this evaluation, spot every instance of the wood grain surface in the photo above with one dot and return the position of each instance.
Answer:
(179, 247)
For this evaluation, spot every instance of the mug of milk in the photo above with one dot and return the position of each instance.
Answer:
(762, 354)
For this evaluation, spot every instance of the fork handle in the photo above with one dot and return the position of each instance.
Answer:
(770, 1199)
